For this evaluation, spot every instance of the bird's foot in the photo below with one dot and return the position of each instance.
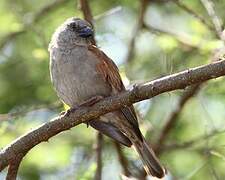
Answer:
(62, 113)
(68, 111)
(88, 102)
(92, 101)
(135, 89)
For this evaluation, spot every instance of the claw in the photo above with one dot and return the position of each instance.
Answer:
(68, 111)
(135, 89)
(91, 101)
(62, 113)
(88, 102)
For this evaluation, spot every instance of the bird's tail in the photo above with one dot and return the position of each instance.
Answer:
(151, 163)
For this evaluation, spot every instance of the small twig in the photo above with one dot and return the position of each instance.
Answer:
(213, 171)
(173, 117)
(25, 110)
(10, 36)
(108, 13)
(138, 27)
(194, 14)
(122, 159)
(124, 164)
(13, 167)
(85, 8)
(36, 17)
(190, 143)
(98, 172)
(209, 6)
(195, 171)
(47, 9)
(182, 40)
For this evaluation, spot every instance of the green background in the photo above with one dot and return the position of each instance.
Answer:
(28, 99)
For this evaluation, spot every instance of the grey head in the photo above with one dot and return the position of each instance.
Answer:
(74, 31)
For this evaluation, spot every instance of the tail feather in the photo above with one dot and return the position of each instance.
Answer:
(149, 159)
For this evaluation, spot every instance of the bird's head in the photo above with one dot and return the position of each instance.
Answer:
(74, 31)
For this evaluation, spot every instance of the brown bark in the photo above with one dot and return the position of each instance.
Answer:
(145, 91)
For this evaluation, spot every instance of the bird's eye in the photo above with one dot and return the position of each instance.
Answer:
(73, 25)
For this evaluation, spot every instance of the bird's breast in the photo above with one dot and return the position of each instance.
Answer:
(74, 76)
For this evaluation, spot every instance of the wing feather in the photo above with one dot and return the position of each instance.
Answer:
(110, 73)
(108, 69)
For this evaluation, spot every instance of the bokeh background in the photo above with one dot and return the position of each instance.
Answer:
(169, 38)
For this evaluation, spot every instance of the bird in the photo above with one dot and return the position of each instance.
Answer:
(82, 75)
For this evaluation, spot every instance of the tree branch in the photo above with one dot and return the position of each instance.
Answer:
(108, 13)
(25, 110)
(180, 39)
(85, 8)
(124, 164)
(195, 14)
(209, 6)
(173, 117)
(122, 159)
(145, 91)
(139, 26)
(190, 143)
(13, 167)
(98, 173)
(47, 9)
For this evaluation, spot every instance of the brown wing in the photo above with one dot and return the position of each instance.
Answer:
(108, 69)
(110, 73)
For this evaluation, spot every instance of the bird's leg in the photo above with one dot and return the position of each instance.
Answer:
(91, 101)
(86, 103)
(62, 113)
(68, 111)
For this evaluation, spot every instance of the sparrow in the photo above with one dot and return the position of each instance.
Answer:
(82, 75)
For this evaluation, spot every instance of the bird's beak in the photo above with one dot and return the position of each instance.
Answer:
(85, 32)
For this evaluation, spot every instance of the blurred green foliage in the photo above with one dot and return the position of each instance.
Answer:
(26, 92)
